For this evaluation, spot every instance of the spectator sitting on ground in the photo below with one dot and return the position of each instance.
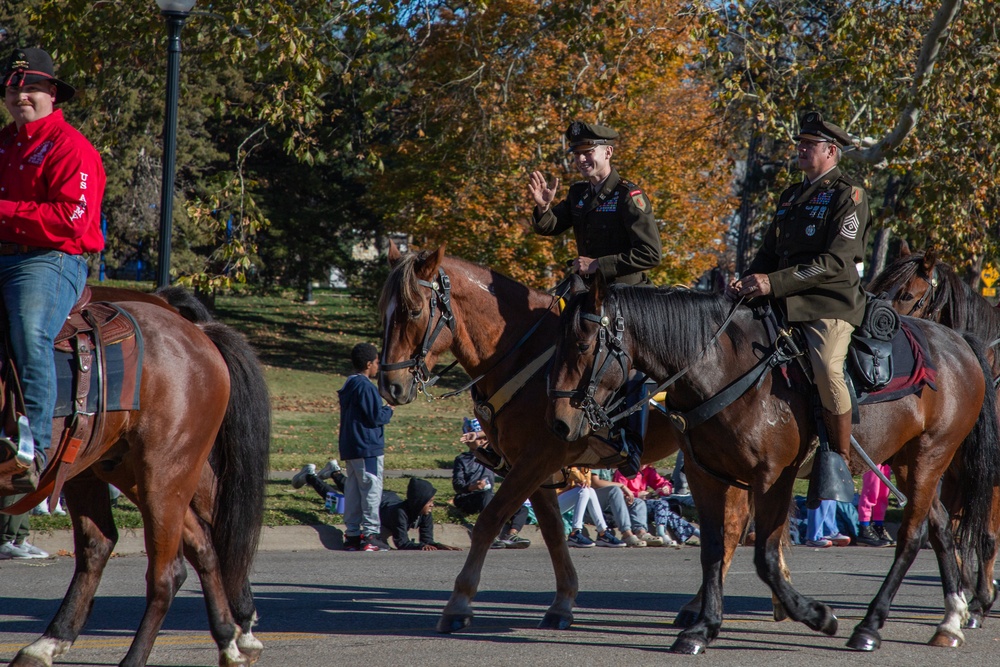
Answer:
(653, 488)
(474, 487)
(399, 516)
(627, 511)
(578, 496)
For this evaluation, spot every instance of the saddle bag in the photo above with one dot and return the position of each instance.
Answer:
(870, 354)
(870, 362)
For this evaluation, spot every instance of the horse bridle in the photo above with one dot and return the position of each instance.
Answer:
(932, 284)
(610, 342)
(440, 298)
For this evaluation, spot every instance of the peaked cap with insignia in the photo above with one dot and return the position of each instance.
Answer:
(586, 136)
(812, 126)
(27, 66)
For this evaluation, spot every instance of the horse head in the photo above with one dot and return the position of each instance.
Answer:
(911, 284)
(590, 364)
(415, 309)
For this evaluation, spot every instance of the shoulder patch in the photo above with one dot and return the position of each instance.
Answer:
(857, 194)
(639, 200)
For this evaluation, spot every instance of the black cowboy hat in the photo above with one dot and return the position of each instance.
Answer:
(34, 66)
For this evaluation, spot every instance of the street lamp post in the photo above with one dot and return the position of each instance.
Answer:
(175, 13)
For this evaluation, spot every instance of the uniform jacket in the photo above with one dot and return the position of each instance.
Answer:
(813, 246)
(398, 516)
(51, 187)
(362, 419)
(615, 226)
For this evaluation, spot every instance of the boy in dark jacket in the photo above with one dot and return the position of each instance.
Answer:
(363, 417)
(398, 516)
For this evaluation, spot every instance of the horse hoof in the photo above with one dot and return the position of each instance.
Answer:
(944, 639)
(554, 621)
(829, 625)
(864, 641)
(449, 623)
(685, 618)
(23, 659)
(975, 621)
(689, 645)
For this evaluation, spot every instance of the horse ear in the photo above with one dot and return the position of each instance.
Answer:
(428, 268)
(599, 290)
(930, 259)
(904, 248)
(394, 254)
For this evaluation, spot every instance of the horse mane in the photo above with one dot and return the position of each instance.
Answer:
(676, 321)
(402, 280)
(955, 304)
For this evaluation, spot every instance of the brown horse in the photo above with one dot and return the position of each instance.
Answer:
(432, 303)
(920, 285)
(194, 460)
(704, 345)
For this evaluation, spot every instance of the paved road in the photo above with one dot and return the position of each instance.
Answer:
(332, 607)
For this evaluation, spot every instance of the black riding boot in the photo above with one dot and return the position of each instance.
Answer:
(631, 436)
(831, 477)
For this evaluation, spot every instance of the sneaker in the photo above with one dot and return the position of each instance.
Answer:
(41, 509)
(682, 491)
(608, 539)
(32, 551)
(498, 544)
(326, 472)
(840, 540)
(869, 537)
(515, 541)
(884, 535)
(352, 542)
(821, 543)
(651, 540)
(634, 541)
(59, 511)
(579, 540)
(299, 479)
(374, 543)
(695, 541)
(17, 551)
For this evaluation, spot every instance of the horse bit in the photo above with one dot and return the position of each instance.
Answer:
(441, 290)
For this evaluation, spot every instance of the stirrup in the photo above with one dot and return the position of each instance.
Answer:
(492, 460)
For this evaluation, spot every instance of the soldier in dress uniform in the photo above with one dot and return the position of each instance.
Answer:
(616, 234)
(810, 260)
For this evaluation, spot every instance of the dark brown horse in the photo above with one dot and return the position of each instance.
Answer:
(483, 318)
(194, 460)
(762, 438)
(920, 285)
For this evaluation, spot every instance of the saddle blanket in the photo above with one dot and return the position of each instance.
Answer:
(123, 367)
(912, 368)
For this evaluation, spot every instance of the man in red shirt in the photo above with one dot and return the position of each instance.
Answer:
(51, 186)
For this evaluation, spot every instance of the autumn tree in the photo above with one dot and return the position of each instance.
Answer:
(494, 86)
(916, 82)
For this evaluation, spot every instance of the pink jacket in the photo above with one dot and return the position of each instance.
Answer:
(647, 478)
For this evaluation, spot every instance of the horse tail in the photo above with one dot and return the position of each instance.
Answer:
(240, 459)
(981, 464)
(186, 303)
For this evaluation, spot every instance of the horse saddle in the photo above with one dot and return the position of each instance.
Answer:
(96, 337)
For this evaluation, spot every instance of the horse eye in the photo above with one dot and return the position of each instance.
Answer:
(582, 347)
(905, 297)
(414, 314)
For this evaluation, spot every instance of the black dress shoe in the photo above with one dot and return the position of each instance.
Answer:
(868, 537)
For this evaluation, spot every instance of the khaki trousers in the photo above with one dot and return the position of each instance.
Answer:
(828, 342)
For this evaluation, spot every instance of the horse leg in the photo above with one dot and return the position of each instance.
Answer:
(713, 500)
(559, 615)
(94, 538)
(245, 613)
(866, 635)
(949, 631)
(201, 554)
(985, 588)
(771, 516)
(457, 614)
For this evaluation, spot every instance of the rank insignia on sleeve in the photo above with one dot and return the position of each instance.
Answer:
(856, 195)
(851, 226)
(639, 200)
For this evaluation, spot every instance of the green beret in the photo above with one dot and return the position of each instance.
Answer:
(580, 135)
(812, 126)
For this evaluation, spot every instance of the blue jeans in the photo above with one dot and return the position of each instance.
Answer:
(38, 290)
